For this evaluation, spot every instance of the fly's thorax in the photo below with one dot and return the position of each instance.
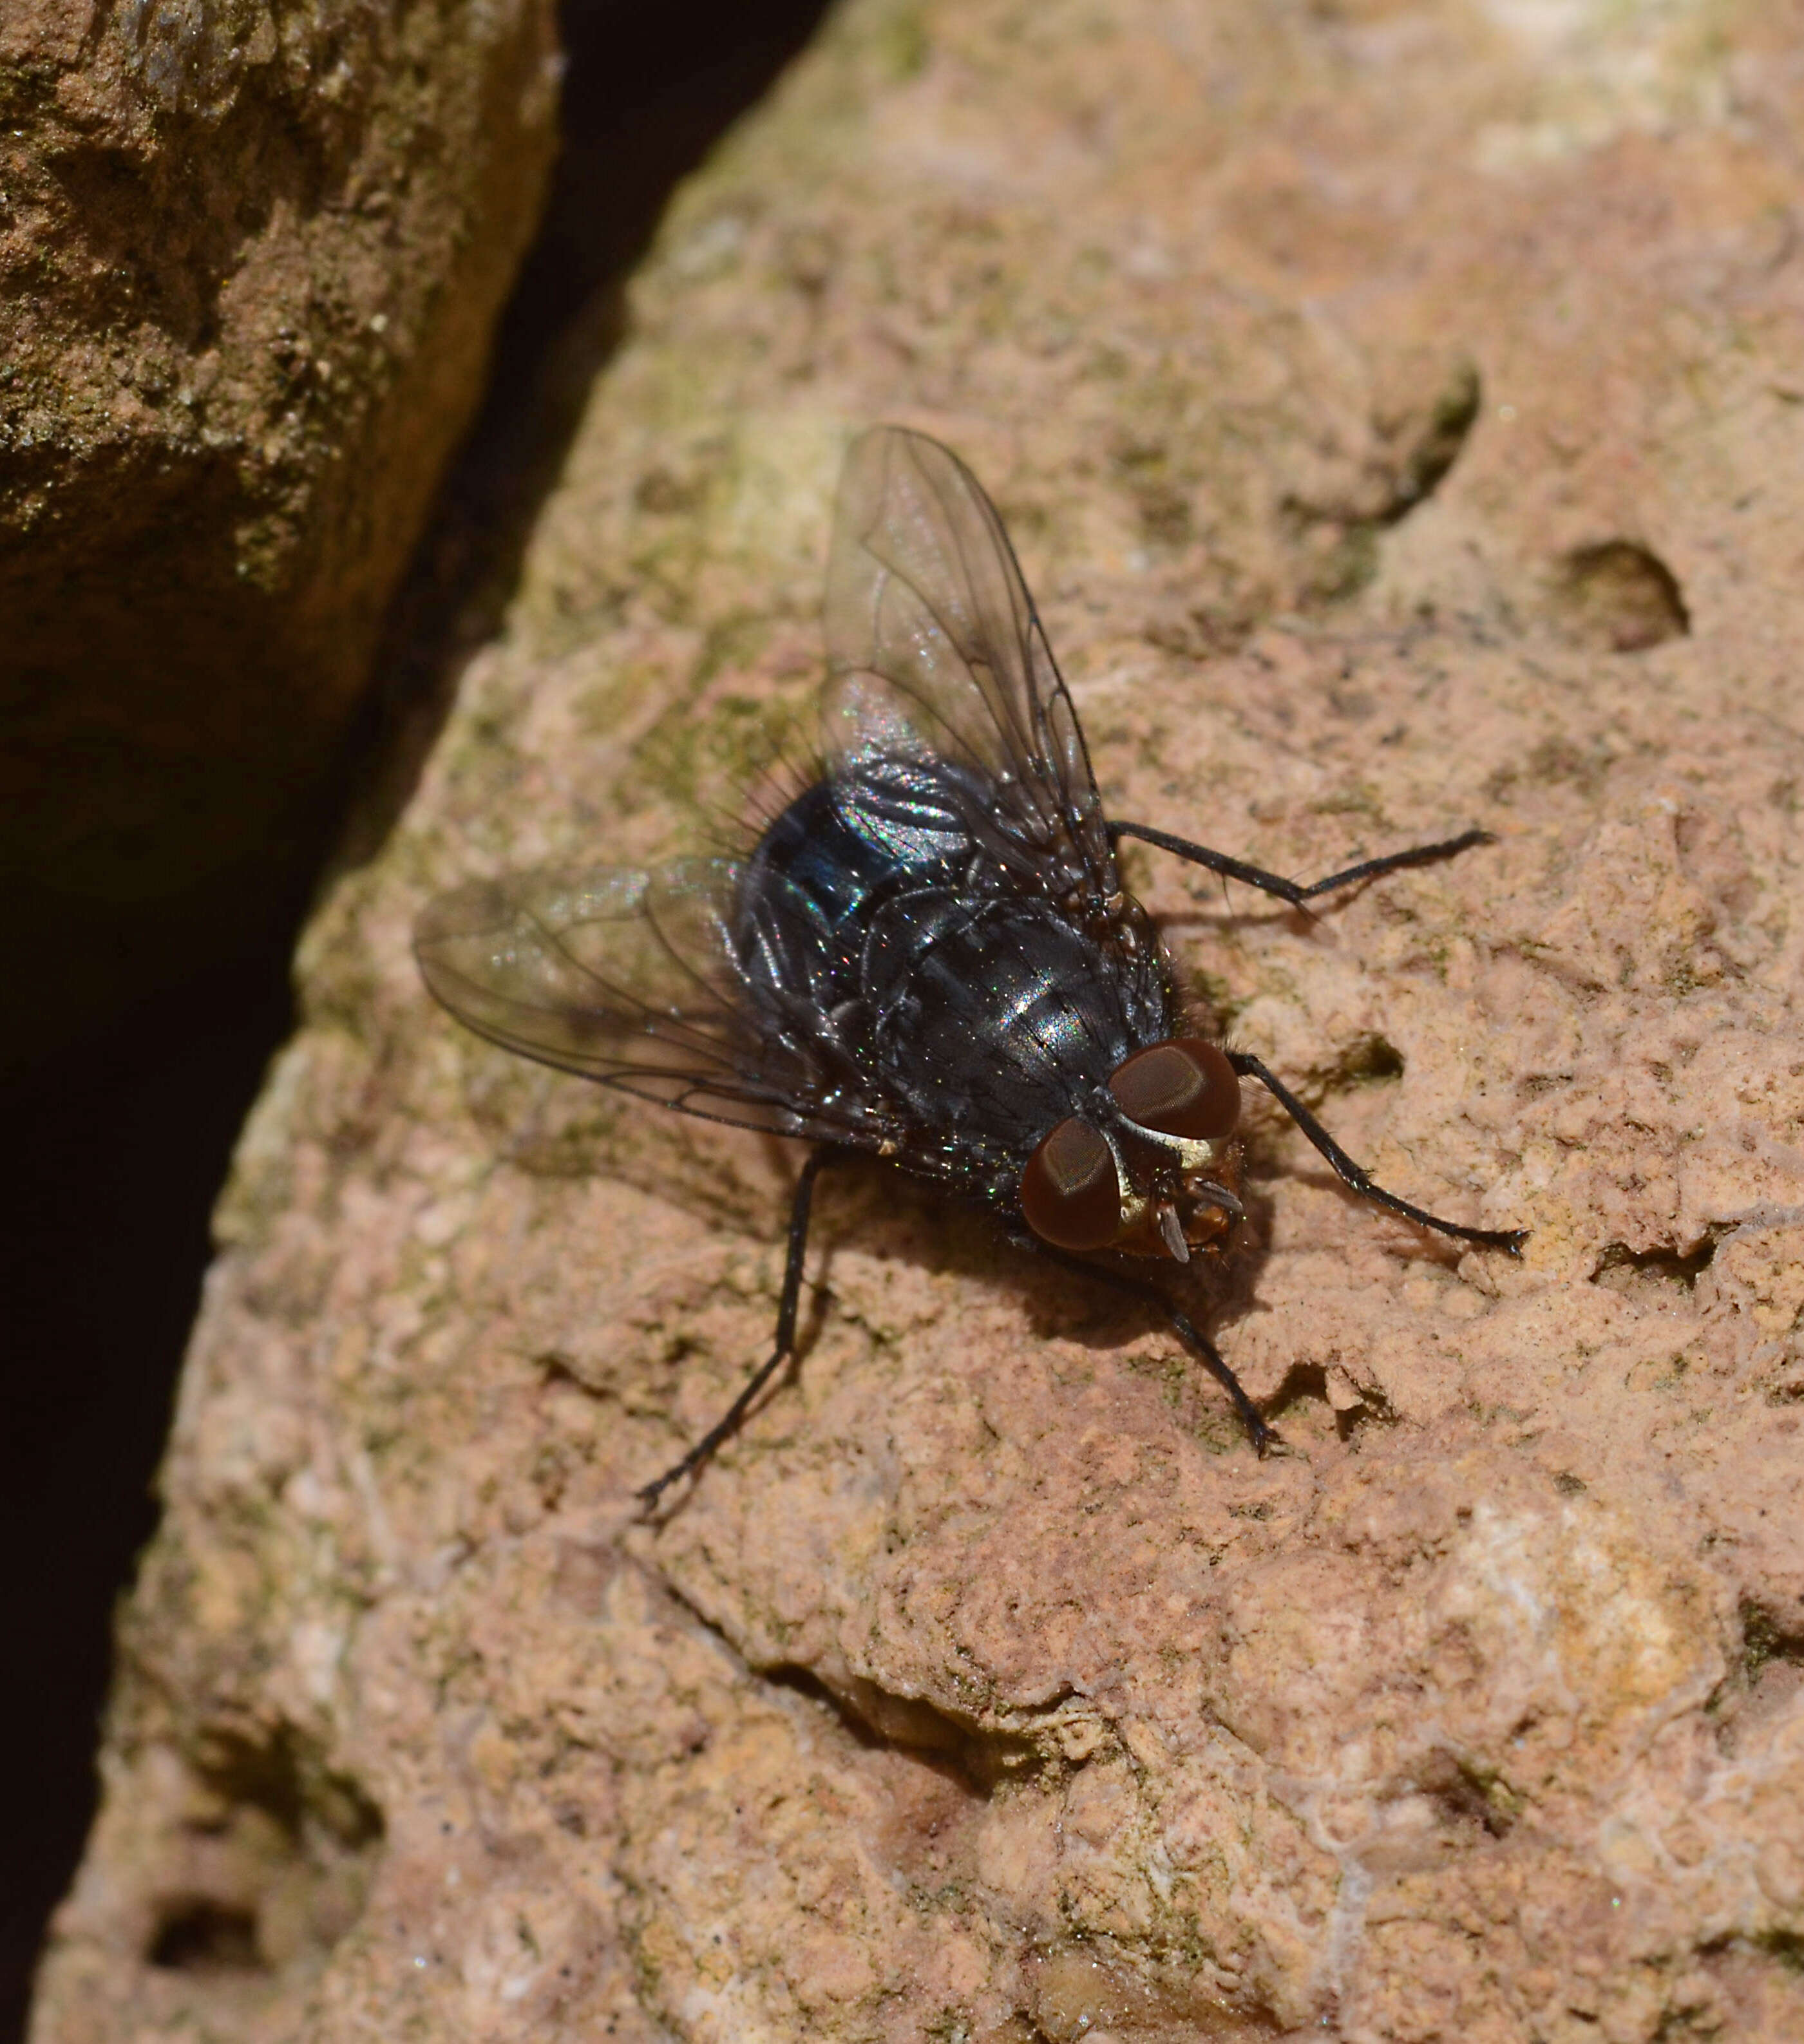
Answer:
(993, 1013)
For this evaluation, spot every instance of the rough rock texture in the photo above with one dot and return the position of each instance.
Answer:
(250, 255)
(1397, 409)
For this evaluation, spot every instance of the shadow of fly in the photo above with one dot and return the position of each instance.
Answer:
(929, 956)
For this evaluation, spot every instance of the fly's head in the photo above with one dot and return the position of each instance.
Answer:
(1154, 1169)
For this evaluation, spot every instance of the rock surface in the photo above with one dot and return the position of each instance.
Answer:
(251, 257)
(1396, 408)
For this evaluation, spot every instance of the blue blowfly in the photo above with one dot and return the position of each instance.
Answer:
(928, 956)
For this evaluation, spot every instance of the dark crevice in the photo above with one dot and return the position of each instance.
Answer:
(1786, 1946)
(271, 1827)
(1305, 1384)
(121, 1141)
(1340, 540)
(1369, 1060)
(804, 1682)
(1469, 1798)
(1428, 460)
(194, 1935)
(977, 1756)
(1621, 595)
(1766, 1678)
(1768, 1636)
(286, 1780)
(1671, 1266)
(975, 1759)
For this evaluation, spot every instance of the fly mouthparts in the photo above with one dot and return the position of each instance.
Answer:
(1211, 1194)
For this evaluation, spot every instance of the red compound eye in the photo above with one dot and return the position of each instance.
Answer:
(1186, 1087)
(1070, 1196)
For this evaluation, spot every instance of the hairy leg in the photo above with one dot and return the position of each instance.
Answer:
(1297, 892)
(1187, 1331)
(1509, 1239)
(729, 1420)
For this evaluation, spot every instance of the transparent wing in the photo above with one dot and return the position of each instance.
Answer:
(935, 646)
(629, 979)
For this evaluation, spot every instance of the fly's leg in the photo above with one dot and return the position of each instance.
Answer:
(1295, 891)
(1264, 1436)
(1509, 1239)
(729, 1422)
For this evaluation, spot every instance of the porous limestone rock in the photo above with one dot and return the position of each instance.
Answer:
(1396, 406)
(251, 254)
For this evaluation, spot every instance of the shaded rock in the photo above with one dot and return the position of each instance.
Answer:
(988, 1686)
(252, 256)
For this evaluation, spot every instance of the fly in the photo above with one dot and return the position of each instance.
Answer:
(929, 956)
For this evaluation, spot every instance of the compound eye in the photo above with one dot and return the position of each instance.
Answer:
(1185, 1087)
(1069, 1192)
